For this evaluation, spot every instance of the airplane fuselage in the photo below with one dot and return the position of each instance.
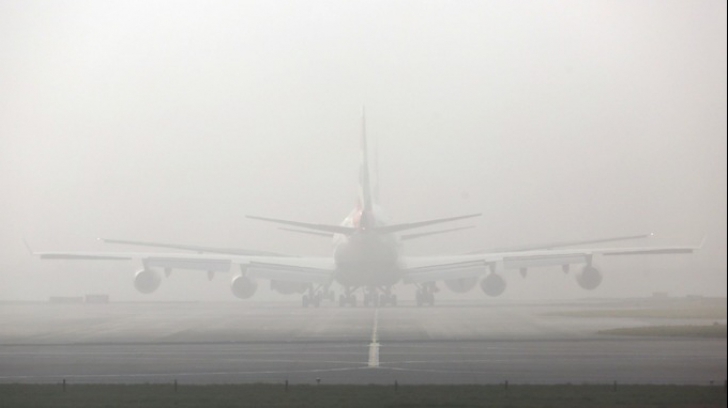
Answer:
(366, 258)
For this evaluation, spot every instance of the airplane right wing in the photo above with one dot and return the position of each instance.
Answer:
(430, 269)
(563, 244)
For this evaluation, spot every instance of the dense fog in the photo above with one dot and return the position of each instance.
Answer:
(172, 121)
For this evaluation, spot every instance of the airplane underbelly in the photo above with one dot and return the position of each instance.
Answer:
(371, 275)
(367, 263)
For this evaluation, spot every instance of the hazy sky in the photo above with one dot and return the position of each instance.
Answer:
(171, 121)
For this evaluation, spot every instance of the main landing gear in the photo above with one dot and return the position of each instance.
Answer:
(373, 298)
(315, 296)
(347, 299)
(426, 295)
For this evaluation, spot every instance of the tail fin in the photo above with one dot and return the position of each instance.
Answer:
(365, 177)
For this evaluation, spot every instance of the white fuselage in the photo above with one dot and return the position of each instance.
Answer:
(366, 258)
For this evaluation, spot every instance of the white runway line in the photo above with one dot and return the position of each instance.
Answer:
(374, 345)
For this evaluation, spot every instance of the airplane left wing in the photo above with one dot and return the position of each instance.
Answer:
(194, 248)
(319, 271)
(291, 269)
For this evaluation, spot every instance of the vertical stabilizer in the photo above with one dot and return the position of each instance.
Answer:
(365, 177)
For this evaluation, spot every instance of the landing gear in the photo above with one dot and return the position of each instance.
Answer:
(315, 296)
(426, 295)
(388, 300)
(348, 299)
(373, 297)
(314, 300)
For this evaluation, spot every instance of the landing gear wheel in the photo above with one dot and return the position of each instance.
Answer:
(305, 301)
(347, 300)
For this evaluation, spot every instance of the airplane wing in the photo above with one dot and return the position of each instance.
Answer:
(430, 269)
(214, 263)
(195, 248)
(562, 244)
(317, 271)
(292, 269)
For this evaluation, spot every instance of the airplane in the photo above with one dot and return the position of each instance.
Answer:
(366, 259)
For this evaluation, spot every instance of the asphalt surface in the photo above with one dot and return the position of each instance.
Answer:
(273, 342)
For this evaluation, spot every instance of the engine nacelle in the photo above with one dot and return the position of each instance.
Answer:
(243, 287)
(288, 288)
(493, 285)
(147, 281)
(461, 285)
(589, 278)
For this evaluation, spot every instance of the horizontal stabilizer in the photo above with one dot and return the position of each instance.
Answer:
(333, 229)
(387, 229)
(320, 234)
(426, 234)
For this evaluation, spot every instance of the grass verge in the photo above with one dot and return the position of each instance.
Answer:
(322, 396)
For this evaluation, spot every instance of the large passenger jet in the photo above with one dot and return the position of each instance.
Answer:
(367, 259)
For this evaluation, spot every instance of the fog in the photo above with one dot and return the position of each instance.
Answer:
(170, 121)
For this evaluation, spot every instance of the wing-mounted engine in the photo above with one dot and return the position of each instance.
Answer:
(589, 278)
(461, 285)
(243, 287)
(493, 285)
(147, 281)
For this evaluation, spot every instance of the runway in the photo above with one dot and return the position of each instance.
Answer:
(463, 342)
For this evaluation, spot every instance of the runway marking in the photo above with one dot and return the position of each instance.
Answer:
(374, 345)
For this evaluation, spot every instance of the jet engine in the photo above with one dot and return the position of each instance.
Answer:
(493, 285)
(147, 281)
(288, 288)
(243, 287)
(461, 285)
(589, 278)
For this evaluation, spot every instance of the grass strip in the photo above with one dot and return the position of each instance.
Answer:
(322, 396)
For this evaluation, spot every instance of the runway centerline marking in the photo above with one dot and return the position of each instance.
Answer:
(374, 345)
